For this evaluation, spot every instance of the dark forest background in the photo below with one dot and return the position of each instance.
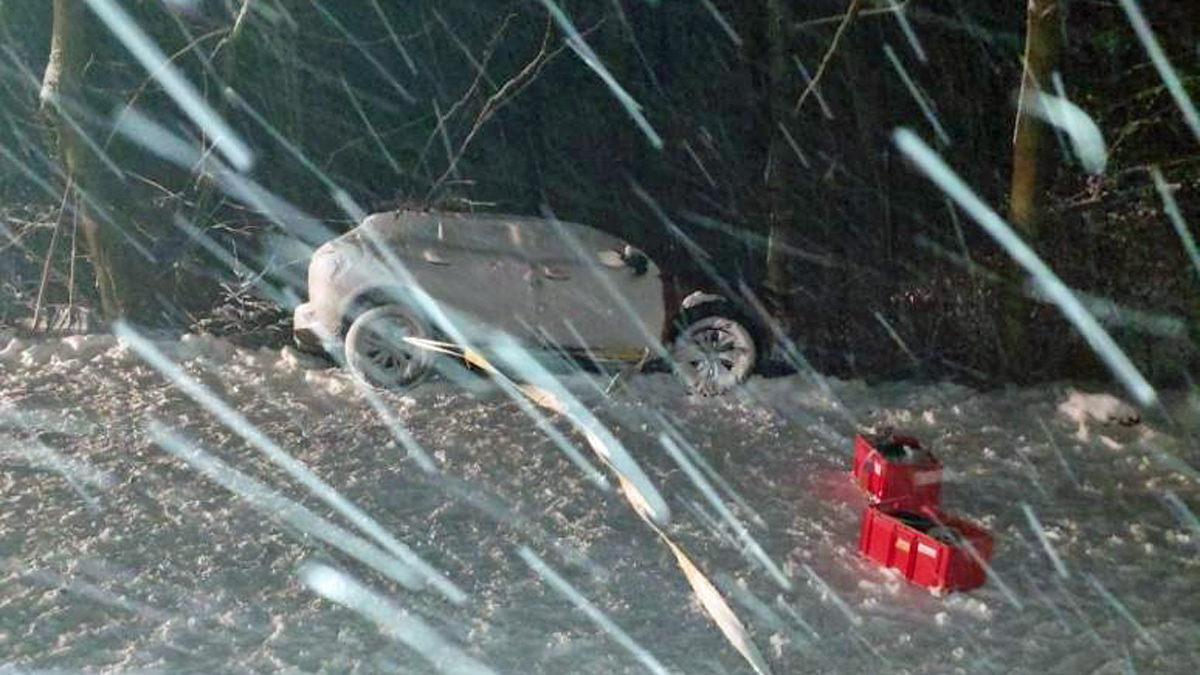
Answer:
(481, 105)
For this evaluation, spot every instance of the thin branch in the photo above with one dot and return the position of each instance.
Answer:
(62, 209)
(848, 19)
(74, 256)
(495, 102)
(239, 26)
(480, 68)
(150, 79)
(891, 9)
(480, 74)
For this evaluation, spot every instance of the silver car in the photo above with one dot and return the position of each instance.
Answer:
(382, 294)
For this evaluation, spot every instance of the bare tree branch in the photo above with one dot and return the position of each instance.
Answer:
(874, 11)
(847, 19)
(497, 101)
(239, 26)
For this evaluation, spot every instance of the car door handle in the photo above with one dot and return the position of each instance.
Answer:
(556, 273)
(431, 256)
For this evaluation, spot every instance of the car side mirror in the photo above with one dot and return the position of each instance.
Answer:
(636, 260)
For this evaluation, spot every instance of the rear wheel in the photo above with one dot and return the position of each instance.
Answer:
(714, 353)
(378, 350)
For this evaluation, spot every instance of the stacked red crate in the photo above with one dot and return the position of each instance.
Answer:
(904, 527)
(929, 547)
(896, 472)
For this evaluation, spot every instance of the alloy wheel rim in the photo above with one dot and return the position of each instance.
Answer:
(717, 354)
(386, 352)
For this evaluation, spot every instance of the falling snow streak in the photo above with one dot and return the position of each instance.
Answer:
(1102, 308)
(589, 57)
(915, 92)
(770, 618)
(1036, 526)
(85, 590)
(1062, 459)
(714, 500)
(1081, 130)
(795, 358)
(722, 22)
(392, 619)
(898, 11)
(71, 113)
(1184, 514)
(351, 208)
(382, 70)
(74, 471)
(796, 617)
(1100, 341)
(1082, 616)
(546, 391)
(1171, 207)
(698, 459)
(637, 46)
(696, 159)
(173, 82)
(605, 282)
(791, 141)
(297, 469)
(593, 613)
(380, 144)
(650, 507)
(716, 607)
(1123, 611)
(753, 238)
(155, 138)
(96, 207)
(992, 574)
(1110, 313)
(887, 327)
(285, 297)
(529, 409)
(827, 591)
(1162, 64)
(412, 67)
(398, 431)
(276, 505)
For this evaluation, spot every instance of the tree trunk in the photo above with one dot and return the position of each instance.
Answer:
(1043, 25)
(780, 99)
(122, 282)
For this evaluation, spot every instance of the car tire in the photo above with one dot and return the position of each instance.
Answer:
(713, 352)
(377, 352)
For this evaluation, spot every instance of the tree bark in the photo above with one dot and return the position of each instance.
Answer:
(779, 217)
(1043, 26)
(122, 282)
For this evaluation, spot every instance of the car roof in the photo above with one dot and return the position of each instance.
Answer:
(490, 229)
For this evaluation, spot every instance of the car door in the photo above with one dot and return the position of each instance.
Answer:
(478, 267)
(592, 296)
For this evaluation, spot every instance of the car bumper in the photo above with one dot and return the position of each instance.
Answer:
(313, 332)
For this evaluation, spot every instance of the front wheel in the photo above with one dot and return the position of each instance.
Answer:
(713, 354)
(378, 350)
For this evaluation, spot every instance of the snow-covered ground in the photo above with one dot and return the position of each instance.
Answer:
(117, 556)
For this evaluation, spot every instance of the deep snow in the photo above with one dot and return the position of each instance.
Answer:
(115, 556)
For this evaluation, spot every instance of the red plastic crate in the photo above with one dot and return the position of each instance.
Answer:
(928, 547)
(896, 472)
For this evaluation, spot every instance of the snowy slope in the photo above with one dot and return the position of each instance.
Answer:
(116, 556)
